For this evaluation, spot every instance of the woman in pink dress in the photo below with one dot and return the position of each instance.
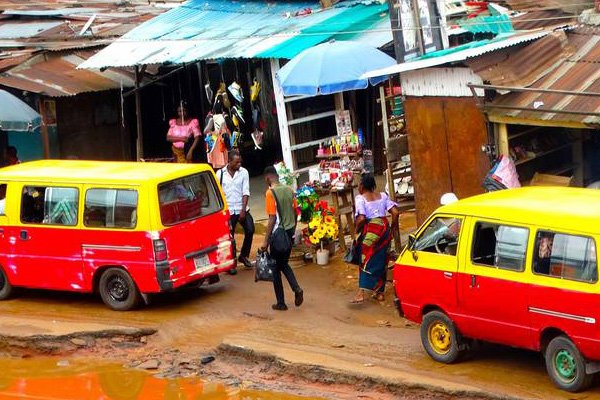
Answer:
(180, 130)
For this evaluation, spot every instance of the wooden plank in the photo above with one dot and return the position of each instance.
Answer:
(311, 143)
(282, 117)
(313, 117)
(429, 152)
(466, 130)
(503, 137)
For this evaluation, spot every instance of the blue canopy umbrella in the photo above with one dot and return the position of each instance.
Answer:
(332, 67)
(16, 115)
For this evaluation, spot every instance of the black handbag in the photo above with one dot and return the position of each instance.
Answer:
(264, 267)
(280, 242)
(353, 255)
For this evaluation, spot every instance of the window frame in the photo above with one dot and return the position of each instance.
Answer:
(534, 256)
(137, 206)
(211, 177)
(427, 224)
(29, 185)
(473, 262)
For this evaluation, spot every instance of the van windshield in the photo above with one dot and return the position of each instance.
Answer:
(187, 198)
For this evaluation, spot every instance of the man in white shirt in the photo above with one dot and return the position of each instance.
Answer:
(236, 184)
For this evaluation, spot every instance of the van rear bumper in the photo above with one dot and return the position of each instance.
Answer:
(166, 284)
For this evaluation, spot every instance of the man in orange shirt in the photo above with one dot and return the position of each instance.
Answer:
(285, 216)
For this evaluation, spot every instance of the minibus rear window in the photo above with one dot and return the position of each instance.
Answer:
(188, 198)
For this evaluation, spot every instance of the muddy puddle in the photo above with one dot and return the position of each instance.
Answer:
(63, 379)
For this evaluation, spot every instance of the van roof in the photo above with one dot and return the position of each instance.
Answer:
(76, 171)
(575, 209)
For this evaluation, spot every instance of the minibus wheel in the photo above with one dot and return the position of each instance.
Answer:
(566, 365)
(6, 289)
(440, 337)
(118, 291)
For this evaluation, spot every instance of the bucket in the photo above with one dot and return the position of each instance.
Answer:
(322, 257)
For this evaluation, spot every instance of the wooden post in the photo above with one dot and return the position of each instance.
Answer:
(44, 130)
(417, 15)
(282, 118)
(503, 147)
(138, 116)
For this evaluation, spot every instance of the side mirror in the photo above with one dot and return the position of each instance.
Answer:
(411, 240)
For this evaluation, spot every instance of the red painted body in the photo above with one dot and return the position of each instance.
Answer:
(499, 310)
(71, 258)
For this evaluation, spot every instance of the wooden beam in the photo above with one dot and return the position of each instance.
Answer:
(500, 119)
(313, 117)
(534, 90)
(282, 117)
(138, 116)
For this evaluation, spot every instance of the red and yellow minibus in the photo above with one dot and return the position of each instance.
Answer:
(516, 267)
(120, 229)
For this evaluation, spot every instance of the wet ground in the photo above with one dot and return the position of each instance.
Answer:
(324, 349)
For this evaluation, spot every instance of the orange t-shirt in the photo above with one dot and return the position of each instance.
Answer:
(271, 204)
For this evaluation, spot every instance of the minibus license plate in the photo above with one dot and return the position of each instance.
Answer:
(202, 263)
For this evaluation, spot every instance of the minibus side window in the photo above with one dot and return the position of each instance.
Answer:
(110, 208)
(565, 256)
(500, 246)
(440, 236)
(49, 205)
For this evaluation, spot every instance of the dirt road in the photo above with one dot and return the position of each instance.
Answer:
(323, 343)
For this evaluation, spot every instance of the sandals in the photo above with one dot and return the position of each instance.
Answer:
(378, 297)
(357, 301)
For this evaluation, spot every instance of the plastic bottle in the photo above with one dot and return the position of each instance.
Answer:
(361, 137)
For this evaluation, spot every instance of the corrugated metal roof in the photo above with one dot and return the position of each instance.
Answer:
(57, 76)
(575, 71)
(25, 30)
(542, 19)
(460, 53)
(217, 29)
(523, 66)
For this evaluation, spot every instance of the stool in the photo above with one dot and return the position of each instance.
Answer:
(343, 202)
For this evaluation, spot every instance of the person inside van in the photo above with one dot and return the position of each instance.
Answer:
(544, 253)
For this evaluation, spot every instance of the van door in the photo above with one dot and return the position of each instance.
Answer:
(48, 241)
(493, 287)
(114, 233)
(427, 272)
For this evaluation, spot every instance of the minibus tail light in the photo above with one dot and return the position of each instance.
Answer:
(160, 250)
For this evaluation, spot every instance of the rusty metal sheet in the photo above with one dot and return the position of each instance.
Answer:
(576, 70)
(57, 75)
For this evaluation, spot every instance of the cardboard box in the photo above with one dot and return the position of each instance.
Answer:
(550, 180)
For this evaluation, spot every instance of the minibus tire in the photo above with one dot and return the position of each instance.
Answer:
(563, 347)
(120, 278)
(448, 339)
(6, 289)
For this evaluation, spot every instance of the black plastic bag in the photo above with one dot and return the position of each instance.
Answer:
(264, 267)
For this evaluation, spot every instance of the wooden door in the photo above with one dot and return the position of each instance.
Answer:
(445, 139)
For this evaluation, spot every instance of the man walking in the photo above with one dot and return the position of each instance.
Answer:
(236, 184)
(281, 209)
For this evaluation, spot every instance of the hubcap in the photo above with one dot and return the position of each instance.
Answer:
(565, 366)
(117, 288)
(439, 337)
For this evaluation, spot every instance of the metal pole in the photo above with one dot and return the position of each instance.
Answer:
(138, 116)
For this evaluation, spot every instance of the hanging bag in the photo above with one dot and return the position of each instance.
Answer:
(264, 267)
(280, 242)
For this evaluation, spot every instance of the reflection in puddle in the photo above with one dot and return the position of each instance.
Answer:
(43, 379)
